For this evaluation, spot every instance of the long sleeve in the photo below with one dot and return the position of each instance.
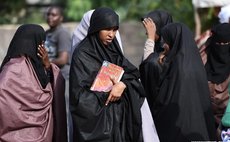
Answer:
(149, 48)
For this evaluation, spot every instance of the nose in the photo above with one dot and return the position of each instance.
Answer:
(112, 33)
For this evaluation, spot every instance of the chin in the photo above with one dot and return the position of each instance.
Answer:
(107, 43)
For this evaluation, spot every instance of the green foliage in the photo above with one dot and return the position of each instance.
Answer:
(208, 17)
(11, 10)
(182, 11)
(16, 11)
(33, 15)
(76, 8)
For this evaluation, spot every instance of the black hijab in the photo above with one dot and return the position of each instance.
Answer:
(106, 21)
(25, 42)
(119, 121)
(218, 60)
(182, 109)
(160, 18)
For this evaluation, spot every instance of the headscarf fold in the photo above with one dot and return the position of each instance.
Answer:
(109, 16)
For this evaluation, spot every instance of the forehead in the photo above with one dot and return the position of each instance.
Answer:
(53, 10)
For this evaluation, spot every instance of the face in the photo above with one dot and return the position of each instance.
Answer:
(156, 37)
(107, 35)
(53, 17)
(163, 53)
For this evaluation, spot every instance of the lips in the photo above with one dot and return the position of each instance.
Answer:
(109, 40)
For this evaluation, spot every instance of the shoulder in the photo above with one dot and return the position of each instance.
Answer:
(61, 28)
(84, 49)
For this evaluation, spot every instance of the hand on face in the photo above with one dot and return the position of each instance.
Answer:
(150, 28)
(42, 53)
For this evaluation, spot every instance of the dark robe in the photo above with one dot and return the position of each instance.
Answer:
(150, 68)
(216, 58)
(93, 121)
(182, 108)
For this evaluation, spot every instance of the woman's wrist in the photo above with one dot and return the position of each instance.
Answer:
(122, 85)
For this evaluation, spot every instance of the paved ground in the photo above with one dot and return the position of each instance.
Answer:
(132, 35)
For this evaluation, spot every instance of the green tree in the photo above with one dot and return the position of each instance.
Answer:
(11, 11)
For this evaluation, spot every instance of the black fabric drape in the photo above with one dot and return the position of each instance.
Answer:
(182, 109)
(150, 71)
(93, 121)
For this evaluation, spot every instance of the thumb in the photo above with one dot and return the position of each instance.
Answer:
(113, 79)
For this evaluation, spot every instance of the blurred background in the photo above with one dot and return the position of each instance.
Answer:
(16, 12)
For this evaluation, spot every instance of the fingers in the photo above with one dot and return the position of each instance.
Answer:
(42, 51)
(111, 98)
(147, 21)
(112, 78)
(108, 100)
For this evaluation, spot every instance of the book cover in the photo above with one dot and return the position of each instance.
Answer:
(102, 82)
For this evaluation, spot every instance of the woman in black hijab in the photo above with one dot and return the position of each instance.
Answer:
(94, 119)
(217, 65)
(22, 44)
(150, 69)
(182, 109)
(32, 106)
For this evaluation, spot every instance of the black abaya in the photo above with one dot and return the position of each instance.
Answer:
(93, 121)
(182, 109)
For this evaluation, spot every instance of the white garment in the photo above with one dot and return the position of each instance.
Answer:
(149, 48)
(81, 31)
(148, 126)
(224, 14)
(209, 3)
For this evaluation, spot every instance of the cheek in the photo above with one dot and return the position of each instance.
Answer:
(102, 35)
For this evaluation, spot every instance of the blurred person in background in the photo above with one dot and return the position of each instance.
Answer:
(58, 45)
(217, 64)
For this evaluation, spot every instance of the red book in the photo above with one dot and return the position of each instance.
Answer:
(102, 82)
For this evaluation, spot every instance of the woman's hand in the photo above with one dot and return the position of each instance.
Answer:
(42, 53)
(150, 28)
(115, 92)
